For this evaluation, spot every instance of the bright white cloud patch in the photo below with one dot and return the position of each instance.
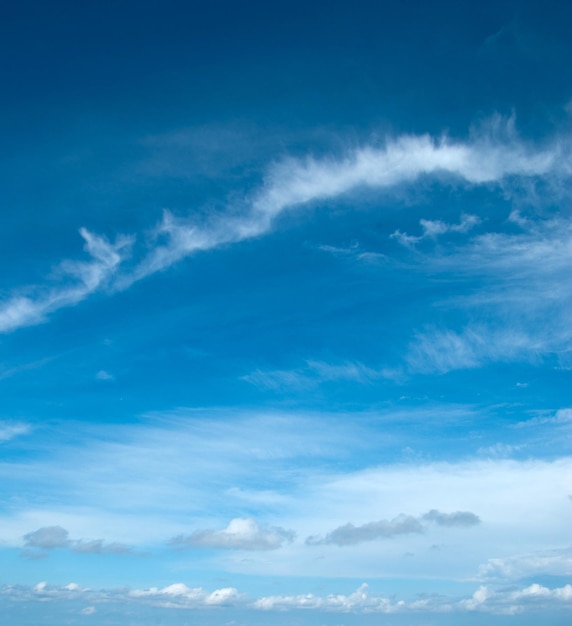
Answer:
(485, 599)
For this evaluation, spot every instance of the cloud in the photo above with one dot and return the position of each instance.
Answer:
(9, 430)
(499, 450)
(561, 417)
(434, 228)
(552, 562)
(458, 518)
(349, 534)
(50, 537)
(490, 156)
(518, 282)
(240, 534)
(293, 183)
(103, 375)
(77, 280)
(315, 373)
(179, 594)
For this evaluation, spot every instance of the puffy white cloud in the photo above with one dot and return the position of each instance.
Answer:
(314, 373)
(561, 417)
(349, 534)
(517, 281)
(179, 595)
(240, 534)
(434, 228)
(47, 538)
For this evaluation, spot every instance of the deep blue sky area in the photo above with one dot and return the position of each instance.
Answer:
(285, 313)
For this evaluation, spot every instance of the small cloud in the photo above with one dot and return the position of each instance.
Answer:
(103, 375)
(349, 534)
(89, 610)
(47, 538)
(240, 534)
(98, 546)
(522, 385)
(458, 518)
(433, 228)
(562, 416)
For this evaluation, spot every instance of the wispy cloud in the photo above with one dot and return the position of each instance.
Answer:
(490, 156)
(73, 281)
(434, 228)
(9, 430)
(518, 282)
(314, 373)
(486, 599)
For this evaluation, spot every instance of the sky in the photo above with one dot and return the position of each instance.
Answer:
(286, 313)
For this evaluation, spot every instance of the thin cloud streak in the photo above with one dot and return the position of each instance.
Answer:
(79, 280)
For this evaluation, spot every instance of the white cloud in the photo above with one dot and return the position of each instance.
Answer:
(240, 534)
(142, 484)
(553, 562)
(50, 537)
(47, 538)
(348, 534)
(521, 283)
(315, 373)
(530, 599)
(491, 156)
(561, 417)
(74, 281)
(179, 595)
(434, 228)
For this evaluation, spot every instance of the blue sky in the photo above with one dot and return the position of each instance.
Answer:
(285, 315)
